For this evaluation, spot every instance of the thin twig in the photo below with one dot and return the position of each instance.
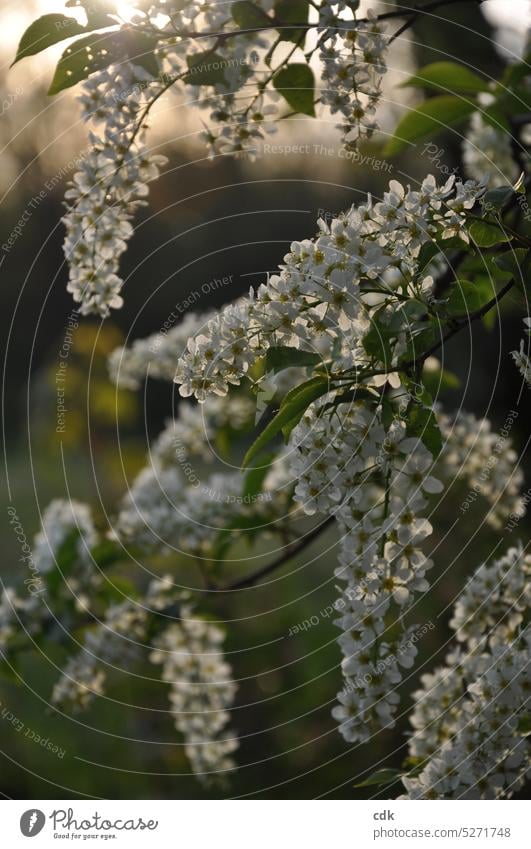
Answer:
(458, 325)
(292, 551)
(414, 11)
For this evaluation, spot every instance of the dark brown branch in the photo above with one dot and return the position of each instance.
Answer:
(291, 552)
(457, 326)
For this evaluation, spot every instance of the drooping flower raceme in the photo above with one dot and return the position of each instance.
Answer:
(154, 356)
(165, 512)
(488, 463)
(354, 63)
(110, 186)
(493, 605)
(192, 662)
(61, 558)
(316, 303)
(61, 520)
(487, 153)
(231, 78)
(113, 644)
(201, 692)
(374, 482)
(468, 737)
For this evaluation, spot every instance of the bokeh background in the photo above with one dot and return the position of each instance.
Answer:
(207, 220)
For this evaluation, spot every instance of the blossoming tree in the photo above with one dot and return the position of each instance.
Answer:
(341, 343)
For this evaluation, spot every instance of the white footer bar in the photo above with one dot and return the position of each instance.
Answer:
(265, 824)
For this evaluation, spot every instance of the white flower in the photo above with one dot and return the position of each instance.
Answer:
(315, 304)
(110, 185)
(523, 362)
(487, 152)
(467, 715)
(202, 690)
(486, 461)
(61, 520)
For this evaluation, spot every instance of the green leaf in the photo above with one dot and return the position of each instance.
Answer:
(294, 404)
(449, 77)
(97, 51)
(467, 297)
(496, 117)
(359, 393)
(249, 16)
(256, 476)
(106, 553)
(292, 12)
(377, 339)
(296, 84)
(422, 423)
(115, 590)
(524, 725)
(496, 199)
(431, 117)
(282, 356)
(47, 30)
(428, 251)
(206, 68)
(516, 72)
(515, 262)
(382, 776)
(486, 235)
(386, 326)
(139, 49)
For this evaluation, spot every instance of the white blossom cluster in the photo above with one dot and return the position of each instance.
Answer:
(487, 462)
(192, 433)
(166, 513)
(231, 77)
(112, 182)
(114, 643)
(374, 481)
(488, 153)
(316, 303)
(229, 72)
(10, 606)
(155, 355)
(494, 600)
(468, 739)
(521, 357)
(354, 62)
(60, 520)
(201, 692)
(64, 523)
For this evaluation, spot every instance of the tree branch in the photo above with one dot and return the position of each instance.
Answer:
(291, 552)
(458, 324)
(413, 12)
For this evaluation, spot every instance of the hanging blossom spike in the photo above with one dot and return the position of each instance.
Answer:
(486, 461)
(468, 738)
(375, 482)
(113, 178)
(111, 184)
(488, 153)
(315, 303)
(201, 692)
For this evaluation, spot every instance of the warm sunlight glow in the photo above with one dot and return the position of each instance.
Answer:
(126, 11)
